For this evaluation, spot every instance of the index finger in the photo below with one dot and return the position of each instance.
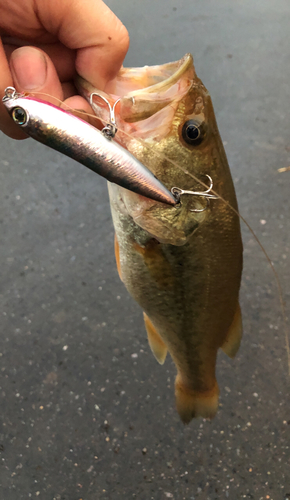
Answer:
(91, 28)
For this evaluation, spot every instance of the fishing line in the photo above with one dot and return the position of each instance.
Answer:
(184, 170)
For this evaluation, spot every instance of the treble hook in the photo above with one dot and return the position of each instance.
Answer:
(110, 129)
(178, 192)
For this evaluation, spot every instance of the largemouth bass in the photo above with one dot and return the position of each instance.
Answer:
(182, 264)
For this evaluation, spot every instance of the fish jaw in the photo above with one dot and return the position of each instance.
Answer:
(166, 226)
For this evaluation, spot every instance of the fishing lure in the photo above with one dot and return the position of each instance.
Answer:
(84, 143)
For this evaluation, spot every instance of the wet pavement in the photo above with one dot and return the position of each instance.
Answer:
(86, 411)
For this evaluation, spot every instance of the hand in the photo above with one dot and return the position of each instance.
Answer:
(45, 42)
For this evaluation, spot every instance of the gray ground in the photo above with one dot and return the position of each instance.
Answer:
(86, 411)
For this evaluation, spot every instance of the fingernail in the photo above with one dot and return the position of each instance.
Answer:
(29, 69)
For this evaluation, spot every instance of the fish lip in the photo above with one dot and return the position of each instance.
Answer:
(153, 96)
(176, 68)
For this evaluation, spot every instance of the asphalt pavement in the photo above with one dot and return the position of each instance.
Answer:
(86, 411)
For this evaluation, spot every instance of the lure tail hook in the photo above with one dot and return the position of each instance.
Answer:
(178, 192)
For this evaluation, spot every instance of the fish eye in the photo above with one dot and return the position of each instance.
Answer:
(19, 116)
(192, 132)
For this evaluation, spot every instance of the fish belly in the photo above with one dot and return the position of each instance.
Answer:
(189, 295)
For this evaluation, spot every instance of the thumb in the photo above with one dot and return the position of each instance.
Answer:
(93, 30)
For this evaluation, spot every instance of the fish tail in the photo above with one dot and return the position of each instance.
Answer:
(191, 404)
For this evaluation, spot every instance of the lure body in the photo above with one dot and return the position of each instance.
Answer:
(84, 143)
(182, 267)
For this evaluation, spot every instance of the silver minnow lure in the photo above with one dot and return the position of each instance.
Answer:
(84, 143)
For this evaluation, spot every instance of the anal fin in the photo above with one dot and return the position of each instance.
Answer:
(232, 343)
(157, 346)
(117, 256)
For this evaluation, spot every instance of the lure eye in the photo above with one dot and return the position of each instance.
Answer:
(192, 132)
(19, 116)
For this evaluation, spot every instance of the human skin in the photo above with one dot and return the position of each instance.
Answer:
(44, 43)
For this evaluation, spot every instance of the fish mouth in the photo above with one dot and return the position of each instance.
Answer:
(142, 91)
(148, 99)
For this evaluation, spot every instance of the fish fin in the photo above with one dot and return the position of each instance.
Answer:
(232, 343)
(117, 255)
(157, 346)
(192, 404)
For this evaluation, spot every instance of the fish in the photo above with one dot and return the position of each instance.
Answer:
(182, 264)
(77, 139)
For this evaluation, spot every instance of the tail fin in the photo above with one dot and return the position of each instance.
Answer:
(192, 404)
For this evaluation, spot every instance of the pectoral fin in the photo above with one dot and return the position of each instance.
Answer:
(156, 343)
(157, 264)
(232, 343)
(117, 255)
